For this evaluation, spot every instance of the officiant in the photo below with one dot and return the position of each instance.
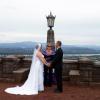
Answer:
(49, 54)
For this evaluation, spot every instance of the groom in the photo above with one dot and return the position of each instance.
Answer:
(57, 63)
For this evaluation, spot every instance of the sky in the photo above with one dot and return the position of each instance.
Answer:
(77, 21)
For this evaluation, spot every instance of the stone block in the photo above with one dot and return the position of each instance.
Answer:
(21, 74)
(74, 76)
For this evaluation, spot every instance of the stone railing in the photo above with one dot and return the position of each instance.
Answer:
(14, 68)
(83, 70)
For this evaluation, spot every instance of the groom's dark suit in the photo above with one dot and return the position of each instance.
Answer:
(58, 62)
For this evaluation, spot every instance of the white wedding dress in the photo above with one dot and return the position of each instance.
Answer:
(34, 82)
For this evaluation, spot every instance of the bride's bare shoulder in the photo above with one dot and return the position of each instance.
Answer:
(39, 54)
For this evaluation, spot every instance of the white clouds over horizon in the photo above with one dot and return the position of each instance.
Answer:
(77, 21)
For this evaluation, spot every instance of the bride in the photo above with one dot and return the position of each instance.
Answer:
(34, 82)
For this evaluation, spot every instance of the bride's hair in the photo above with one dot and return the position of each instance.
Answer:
(38, 46)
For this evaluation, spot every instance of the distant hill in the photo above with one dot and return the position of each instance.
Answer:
(18, 45)
(79, 50)
(27, 48)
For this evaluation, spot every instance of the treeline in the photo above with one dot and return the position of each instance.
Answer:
(80, 50)
(29, 51)
(10, 51)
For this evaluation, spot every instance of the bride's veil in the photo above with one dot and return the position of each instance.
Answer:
(32, 68)
(34, 58)
(38, 46)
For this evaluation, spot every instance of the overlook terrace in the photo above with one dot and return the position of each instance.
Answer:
(71, 92)
(81, 78)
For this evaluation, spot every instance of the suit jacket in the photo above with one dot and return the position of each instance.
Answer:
(58, 59)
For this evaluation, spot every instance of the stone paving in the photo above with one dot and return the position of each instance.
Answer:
(71, 92)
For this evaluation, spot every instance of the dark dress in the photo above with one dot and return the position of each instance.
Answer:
(48, 71)
(58, 63)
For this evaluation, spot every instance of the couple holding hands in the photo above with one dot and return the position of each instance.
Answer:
(41, 71)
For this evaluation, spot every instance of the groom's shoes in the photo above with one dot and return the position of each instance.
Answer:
(57, 91)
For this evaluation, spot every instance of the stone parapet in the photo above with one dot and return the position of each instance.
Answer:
(83, 70)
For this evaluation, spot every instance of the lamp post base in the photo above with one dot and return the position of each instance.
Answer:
(50, 38)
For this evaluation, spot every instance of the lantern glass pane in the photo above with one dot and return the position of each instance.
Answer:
(50, 22)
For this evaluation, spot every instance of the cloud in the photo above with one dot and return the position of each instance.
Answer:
(77, 20)
(16, 36)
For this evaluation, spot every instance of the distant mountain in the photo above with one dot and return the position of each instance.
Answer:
(18, 45)
(17, 48)
(27, 47)
(79, 50)
(95, 47)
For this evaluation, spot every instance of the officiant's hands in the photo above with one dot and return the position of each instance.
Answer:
(48, 64)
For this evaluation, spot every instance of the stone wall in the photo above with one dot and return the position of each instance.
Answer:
(16, 68)
(67, 66)
(10, 64)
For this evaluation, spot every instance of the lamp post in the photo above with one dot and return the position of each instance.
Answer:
(50, 32)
